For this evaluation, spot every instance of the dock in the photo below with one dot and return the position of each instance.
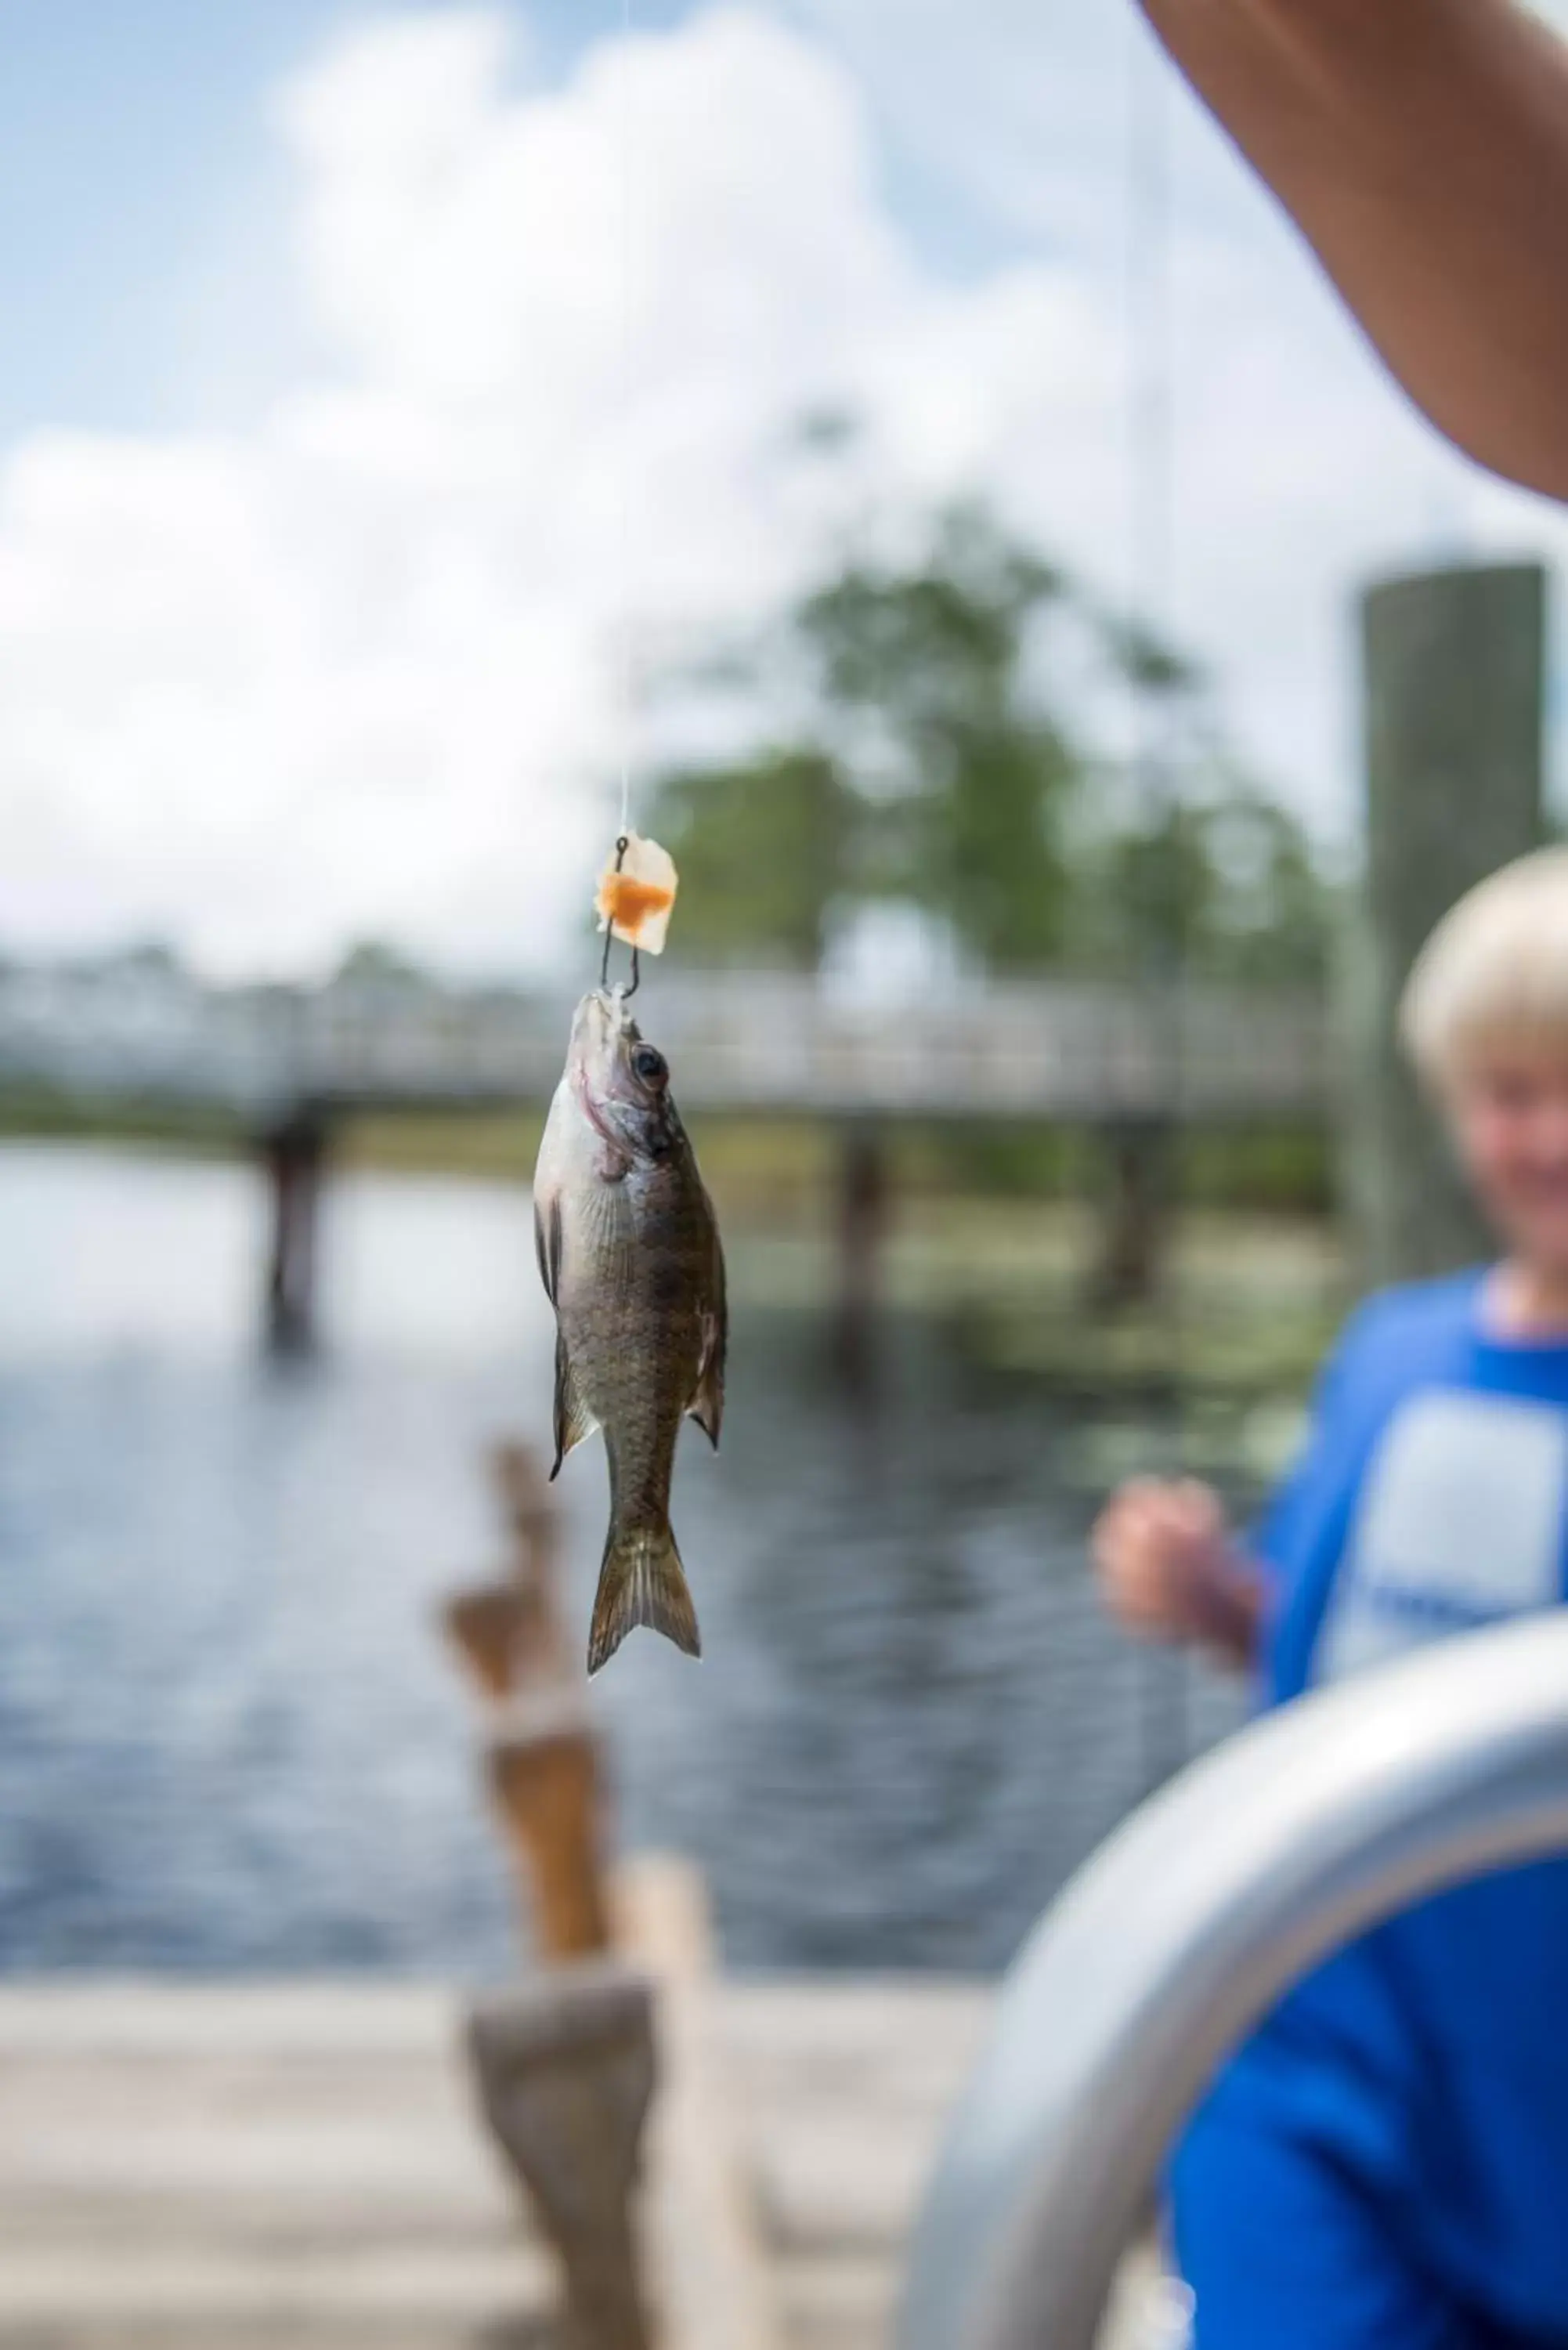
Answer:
(191, 2168)
(299, 2166)
(623, 2147)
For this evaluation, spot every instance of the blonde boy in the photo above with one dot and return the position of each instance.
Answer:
(1384, 2165)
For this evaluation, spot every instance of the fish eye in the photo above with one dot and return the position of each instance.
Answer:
(650, 1066)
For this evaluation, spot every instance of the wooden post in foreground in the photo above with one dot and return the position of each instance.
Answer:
(529, 1505)
(508, 1634)
(543, 1773)
(564, 2068)
(707, 2250)
(486, 1627)
(1454, 681)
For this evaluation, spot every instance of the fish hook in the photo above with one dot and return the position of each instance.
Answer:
(622, 845)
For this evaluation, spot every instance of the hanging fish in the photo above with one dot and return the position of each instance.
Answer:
(630, 1256)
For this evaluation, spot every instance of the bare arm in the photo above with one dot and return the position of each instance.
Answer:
(1422, 146)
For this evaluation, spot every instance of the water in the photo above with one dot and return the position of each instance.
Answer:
(231, 1740)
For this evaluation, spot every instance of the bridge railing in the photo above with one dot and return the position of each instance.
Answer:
(1185, 1928)
(1051, 1048)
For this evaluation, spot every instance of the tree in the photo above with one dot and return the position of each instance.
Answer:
(766, 850)
(920, 670)
(373, 963)
(930, 766)
(1224, 887)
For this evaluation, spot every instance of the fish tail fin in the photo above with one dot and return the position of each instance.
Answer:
(641, 1582)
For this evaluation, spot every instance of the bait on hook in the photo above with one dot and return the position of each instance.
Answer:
(635, 894)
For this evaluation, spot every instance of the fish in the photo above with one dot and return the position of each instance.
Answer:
(632, 1263)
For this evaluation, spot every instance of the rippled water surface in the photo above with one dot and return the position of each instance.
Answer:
(231, 1740)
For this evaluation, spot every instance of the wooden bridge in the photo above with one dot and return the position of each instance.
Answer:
(287, 1064)
(1052, 1048)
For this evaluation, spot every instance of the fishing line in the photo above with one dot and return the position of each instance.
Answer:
(624, 672)
(1166, 1724)
(627, 680)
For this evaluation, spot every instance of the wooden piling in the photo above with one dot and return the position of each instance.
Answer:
(543, 1773)
(864, 1215)
(527, 1502)
(1454, 681)
(1136, 1199)
(489, 1627)
(565, 2068)
(294, 1154)
(508, 1634)
(708, 2249)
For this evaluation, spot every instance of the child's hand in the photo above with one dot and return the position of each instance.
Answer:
(1169, 1570)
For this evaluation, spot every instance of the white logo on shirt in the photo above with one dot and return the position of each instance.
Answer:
(1460, 1523)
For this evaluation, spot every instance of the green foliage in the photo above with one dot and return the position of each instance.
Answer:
(932, 650)
(1284, 1170)
(1146, 663)
(374, 963)
(764, 850)
(921, 667)
(934, 769)
(1273, 909)
(993, 859)
(1226, 889)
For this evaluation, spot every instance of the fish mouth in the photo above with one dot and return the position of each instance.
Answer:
(602, 1019)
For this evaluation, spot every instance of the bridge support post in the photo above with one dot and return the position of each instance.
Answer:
(294, 1154)
(1454, 667)
(864, 1205)
(1135, 1213)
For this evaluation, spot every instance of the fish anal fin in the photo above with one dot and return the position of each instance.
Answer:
(641, 1582)
(574, 1421)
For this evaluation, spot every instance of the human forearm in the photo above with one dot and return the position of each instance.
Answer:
(1422, 146)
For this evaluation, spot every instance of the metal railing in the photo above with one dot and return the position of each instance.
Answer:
(760, 1041)
(1186, 1926)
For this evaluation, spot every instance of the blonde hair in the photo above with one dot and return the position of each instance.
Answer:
(1496, 966)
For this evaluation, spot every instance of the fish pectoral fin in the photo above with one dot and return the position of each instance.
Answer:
(548, 1244)
(574, 1421)
(707, 1404)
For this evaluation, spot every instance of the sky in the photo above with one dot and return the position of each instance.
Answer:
(384, 385)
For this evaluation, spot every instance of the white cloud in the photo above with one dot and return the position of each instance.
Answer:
(355, 670)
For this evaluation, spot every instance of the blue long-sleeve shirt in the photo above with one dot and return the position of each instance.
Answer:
(1429, 2060)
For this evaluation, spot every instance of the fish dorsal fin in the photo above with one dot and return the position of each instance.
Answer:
(574, 1421)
